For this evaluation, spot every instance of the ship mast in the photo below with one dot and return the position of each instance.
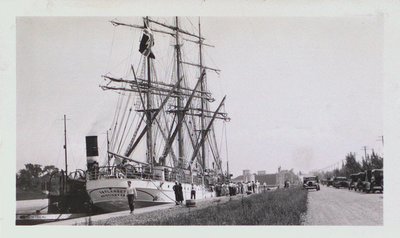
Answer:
(149, 139)
(179, 92)
(203, 148)
(179, 100)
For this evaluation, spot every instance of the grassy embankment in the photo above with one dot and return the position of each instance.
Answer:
(280, 207)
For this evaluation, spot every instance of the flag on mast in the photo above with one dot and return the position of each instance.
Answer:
(147, 42)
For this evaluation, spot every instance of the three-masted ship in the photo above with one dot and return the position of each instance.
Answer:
(164, 128)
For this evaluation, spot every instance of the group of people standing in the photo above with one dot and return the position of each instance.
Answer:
(233, 189)
(254, 187)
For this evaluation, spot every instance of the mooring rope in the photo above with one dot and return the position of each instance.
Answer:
(163, 192)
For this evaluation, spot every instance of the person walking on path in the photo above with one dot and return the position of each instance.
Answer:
(193, 192)
(132, 195)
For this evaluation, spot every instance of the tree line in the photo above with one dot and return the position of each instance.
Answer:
(351, 166)
(33, 176)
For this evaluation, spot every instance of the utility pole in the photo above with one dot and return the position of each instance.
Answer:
(65, 145)
(381, 139)
(365, 151)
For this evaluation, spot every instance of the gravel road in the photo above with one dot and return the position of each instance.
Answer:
(331, 206)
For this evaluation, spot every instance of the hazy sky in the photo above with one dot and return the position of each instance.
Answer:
(301, 92)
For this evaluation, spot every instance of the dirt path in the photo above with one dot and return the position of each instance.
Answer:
(331, 206)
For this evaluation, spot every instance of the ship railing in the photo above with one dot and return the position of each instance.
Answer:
(129, 171)
(133, 172)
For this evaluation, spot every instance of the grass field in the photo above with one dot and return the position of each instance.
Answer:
(280, 207)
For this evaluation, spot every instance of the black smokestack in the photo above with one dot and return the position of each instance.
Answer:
(91, 146)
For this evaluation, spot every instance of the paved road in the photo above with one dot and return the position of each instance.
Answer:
(331, 206)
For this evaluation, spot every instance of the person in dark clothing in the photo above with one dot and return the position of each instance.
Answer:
(218, 190)
(230, 189)
(180, 193)
(176, 191)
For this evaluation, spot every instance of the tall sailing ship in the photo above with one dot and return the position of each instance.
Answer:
(164, 128)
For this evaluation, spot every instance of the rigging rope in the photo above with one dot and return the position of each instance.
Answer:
(115, 120)
(136, 132)
(122, 119)
(111, 49)
(162, 191)
(123, 132)
(130, 127)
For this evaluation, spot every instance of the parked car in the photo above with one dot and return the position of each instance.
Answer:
(329, 182)
(340, 182)
(373, 181)
(352, 181)
(359, 185)
(377, 180)
(311, 182)
(324, 181)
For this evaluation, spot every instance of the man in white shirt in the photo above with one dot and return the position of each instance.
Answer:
(193, 192)
(132, 195)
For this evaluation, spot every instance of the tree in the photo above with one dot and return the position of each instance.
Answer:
(351, 166)
(34, 169)
(30, 177)
(24, 179)
(49, 169)
(366, 163)
(376, 161)
(336, 172)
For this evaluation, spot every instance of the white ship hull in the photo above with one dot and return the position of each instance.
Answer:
(109, 194)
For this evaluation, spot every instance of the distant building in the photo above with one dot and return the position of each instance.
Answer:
(275, 179)
(261, 172)
(287, 175)
(246, 177)
(269, 179)
(246, 172)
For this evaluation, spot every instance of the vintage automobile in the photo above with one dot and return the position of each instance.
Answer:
(340, 182)
(324, 181)
(373, 181)
(352, 181)
(377, 180)
(329, 182)
(311, 182)
(360, 178)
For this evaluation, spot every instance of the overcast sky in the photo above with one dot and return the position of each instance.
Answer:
(301, 92)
